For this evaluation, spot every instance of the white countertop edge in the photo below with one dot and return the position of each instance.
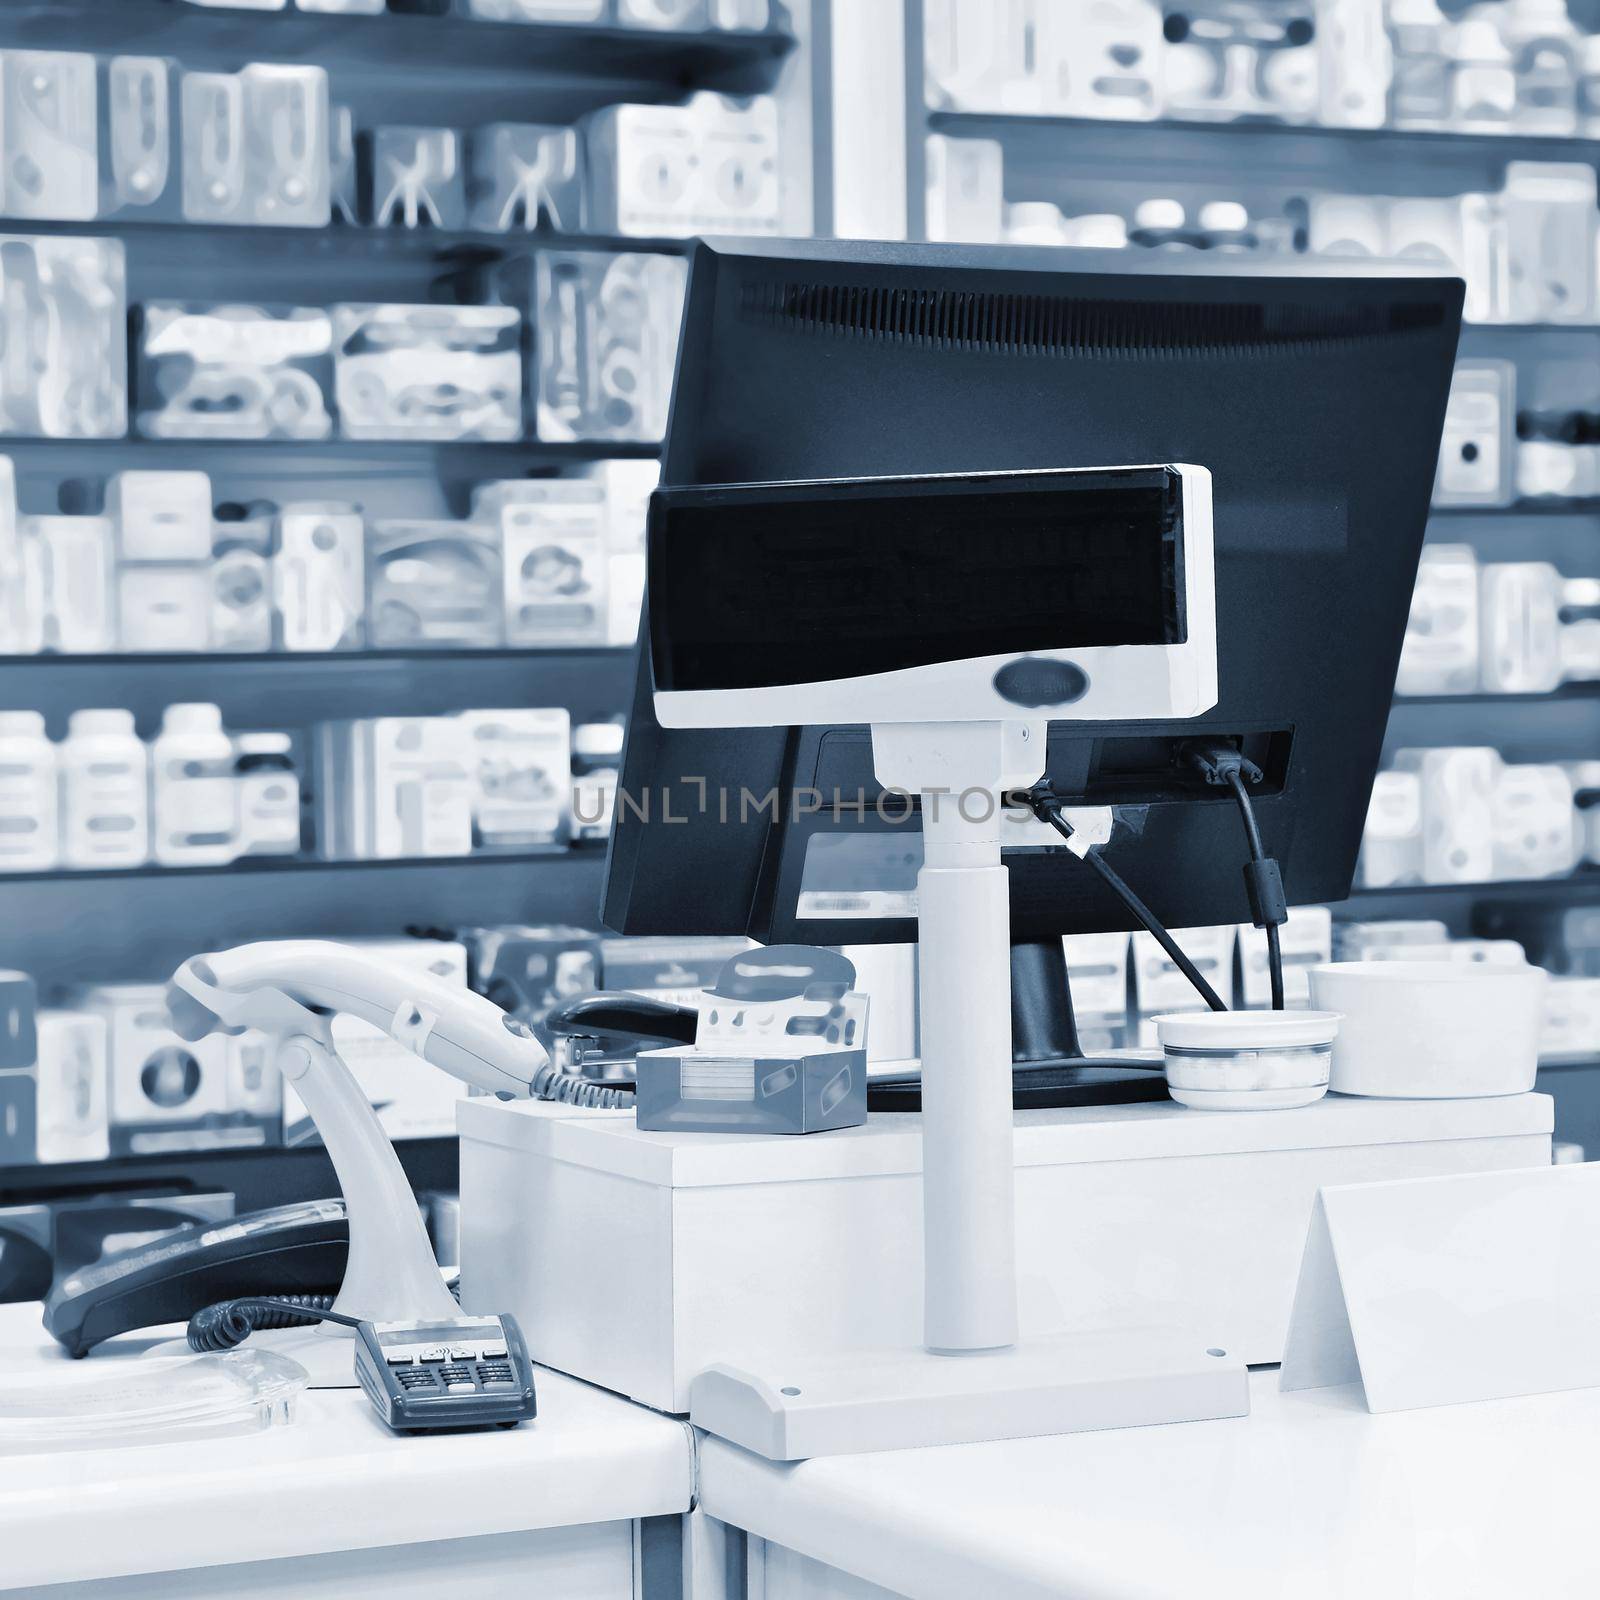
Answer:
(333, 1479)
(609, 1141)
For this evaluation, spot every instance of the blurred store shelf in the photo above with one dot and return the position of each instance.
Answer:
(1567, 693)
(1542, 507)
(1581, 888)
(277, 865)
(426, 45)
(138, 927)
(297, 689)
(1311, 149)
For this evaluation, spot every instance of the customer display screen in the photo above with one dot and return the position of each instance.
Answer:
(758, 585)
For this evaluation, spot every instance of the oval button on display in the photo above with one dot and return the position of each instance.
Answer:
(1035, 681)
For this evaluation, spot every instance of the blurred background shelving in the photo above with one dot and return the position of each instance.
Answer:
(864, 124)
(402, 68)
(998, 146)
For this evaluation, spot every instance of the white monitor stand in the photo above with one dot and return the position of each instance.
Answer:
(972, 1379)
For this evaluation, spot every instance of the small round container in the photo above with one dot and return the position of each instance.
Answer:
(1248, 1060)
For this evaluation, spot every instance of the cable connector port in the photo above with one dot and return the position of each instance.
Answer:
(1217, 761)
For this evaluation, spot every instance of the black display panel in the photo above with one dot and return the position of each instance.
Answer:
(1313, 395)
(755, 585)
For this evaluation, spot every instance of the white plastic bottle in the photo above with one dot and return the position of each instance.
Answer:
(194, 794)
(29, 840)
(105, 802)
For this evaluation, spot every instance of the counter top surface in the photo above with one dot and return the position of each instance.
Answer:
(1309, 1496)
(333, 1479)
(610, 1141)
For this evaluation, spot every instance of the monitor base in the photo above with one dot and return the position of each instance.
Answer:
(1066, 1081)
(901, 1399)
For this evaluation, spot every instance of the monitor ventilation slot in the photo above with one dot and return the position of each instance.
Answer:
(1037, 324)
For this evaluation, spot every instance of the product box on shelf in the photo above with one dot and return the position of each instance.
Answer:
(1478, 450)
(166, 1093)
(21, 576)
(1440, 652)
(418, 178)
(215, 181)
(1585, 776)
(234, 372)
(1227, 61)
(1305, 940)
(19, 1089)
(319, 576)
(64, 301)
(78, 559)
(428, 372)
(413, 1099)
(965, 189)
(529, 971)
(241, 582)
(256, 146)
(433, 584)
(605, 331)
(1521, 627)
(1391, 843)
(665, 14)
(1550, 232)
(19, 1010)
(161, 516)
(136, 138)
(1571, 1027)
(286, 145)
(536, 10)
(1457, 791)
(555, 564)
(164, 609)
(596, 763)
(1160, 986)
(1355, 61)
(628, 486)
(521, 765)
(1098, 978)
(1534, 822)
(49, 135)
(73, 1078)
(1370, 941)
(708, 166)
(394, 787)
(526, 175)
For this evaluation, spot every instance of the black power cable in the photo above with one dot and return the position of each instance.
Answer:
(1047, 808)
(1221, 764)
(1266, 887)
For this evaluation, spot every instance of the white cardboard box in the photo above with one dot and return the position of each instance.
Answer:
(635, 1260)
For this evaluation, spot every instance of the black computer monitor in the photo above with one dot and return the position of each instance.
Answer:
(1314, 395)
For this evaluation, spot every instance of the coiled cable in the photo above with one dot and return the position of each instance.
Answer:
(550, 1082)
(230, 1322)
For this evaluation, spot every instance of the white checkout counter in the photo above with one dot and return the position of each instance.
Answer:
(1309, 1495)
(333, 1505)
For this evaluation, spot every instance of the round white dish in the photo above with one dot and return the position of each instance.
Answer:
(1247, 1060)
(1432, 1030)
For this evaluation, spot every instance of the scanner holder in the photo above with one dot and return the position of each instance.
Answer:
(391, 1274)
